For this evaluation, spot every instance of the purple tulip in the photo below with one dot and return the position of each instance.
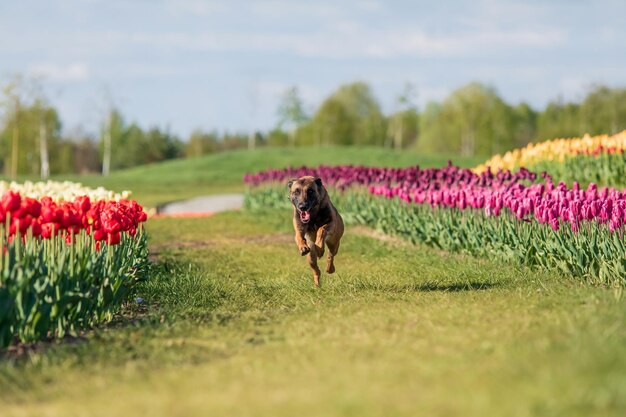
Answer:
(452, 187)
(554, 224)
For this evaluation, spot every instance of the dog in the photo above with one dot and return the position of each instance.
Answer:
(316, 221)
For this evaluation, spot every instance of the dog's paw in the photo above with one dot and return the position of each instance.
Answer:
(304, 250)
(330, 269)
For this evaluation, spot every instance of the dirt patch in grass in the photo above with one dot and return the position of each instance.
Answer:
(378, 235)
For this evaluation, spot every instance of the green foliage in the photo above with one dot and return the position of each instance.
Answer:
(603, 111)
(277, 137)
(403, 124)
(472, 120)
(608, 169)
(291, 115)
(403, 128)
(559, 120)
(29, 118)
(132, 146)
(350, 116)
(334, 124)
(524, 125)
(49, 288)
(201, 143)
(593, 253)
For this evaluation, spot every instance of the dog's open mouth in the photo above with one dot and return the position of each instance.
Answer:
(305, 216)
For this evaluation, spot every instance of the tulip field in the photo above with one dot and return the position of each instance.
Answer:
(224, 316)
(68, 257)
(598, 159)
(521, 216)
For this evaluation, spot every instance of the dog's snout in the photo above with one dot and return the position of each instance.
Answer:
(302, 206)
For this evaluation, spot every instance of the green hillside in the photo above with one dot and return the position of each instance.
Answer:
(222, 172)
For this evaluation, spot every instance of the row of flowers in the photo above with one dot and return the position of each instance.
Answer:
(45, 218)
(345, 176)
(61, 190)
(70, 257)
(557, 151)
(519, 192)
(544, 202)
(516, 215)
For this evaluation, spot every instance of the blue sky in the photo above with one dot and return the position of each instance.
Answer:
(188, 64)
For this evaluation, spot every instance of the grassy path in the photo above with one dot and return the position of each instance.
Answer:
(234, 327)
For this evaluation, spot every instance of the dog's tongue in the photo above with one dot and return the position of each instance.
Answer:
(305, 216)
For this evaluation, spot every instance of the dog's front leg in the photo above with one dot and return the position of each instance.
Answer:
(300, 241)
(320, 239)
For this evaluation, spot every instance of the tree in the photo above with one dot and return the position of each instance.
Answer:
(361, 106)
(201, 143)
(351, 115)
(15, 95)
(472, 120)
(85, 155)
(31, 128)
(110, 128)
(161, 145)
(559, 120)
(525, 125)
(291, 114)
(333, 124)
(436, 129)
(603, 110)
(405, 118)
(112, 141)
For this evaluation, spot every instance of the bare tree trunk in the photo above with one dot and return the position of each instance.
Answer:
(43, 150)
(16, 138)
(106, 157)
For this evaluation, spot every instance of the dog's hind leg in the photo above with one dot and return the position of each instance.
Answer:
(333, 248)
(312, 258)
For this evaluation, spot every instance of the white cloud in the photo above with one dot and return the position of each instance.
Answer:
(195, 7)
(296, 10)
(353, 41)
(73, 72)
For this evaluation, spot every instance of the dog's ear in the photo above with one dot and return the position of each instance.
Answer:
(290, 183)
(318, 181)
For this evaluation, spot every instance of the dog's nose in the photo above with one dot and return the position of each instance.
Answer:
(302, 206)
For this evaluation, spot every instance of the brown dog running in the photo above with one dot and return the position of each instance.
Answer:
(316, 222)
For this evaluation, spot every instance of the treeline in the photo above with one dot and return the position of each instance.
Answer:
(473, 120)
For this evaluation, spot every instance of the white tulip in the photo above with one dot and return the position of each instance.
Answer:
(61, 191)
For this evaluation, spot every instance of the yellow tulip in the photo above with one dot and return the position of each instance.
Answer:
(554, 150)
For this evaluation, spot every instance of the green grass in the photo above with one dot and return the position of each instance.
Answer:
(223, 172)
(235, 327)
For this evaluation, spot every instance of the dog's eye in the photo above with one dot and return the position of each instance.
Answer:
(297, 192)
(309, 191)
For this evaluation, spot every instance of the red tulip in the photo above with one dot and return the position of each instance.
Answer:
(114, 238)
(11, 201)
(99, 235)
